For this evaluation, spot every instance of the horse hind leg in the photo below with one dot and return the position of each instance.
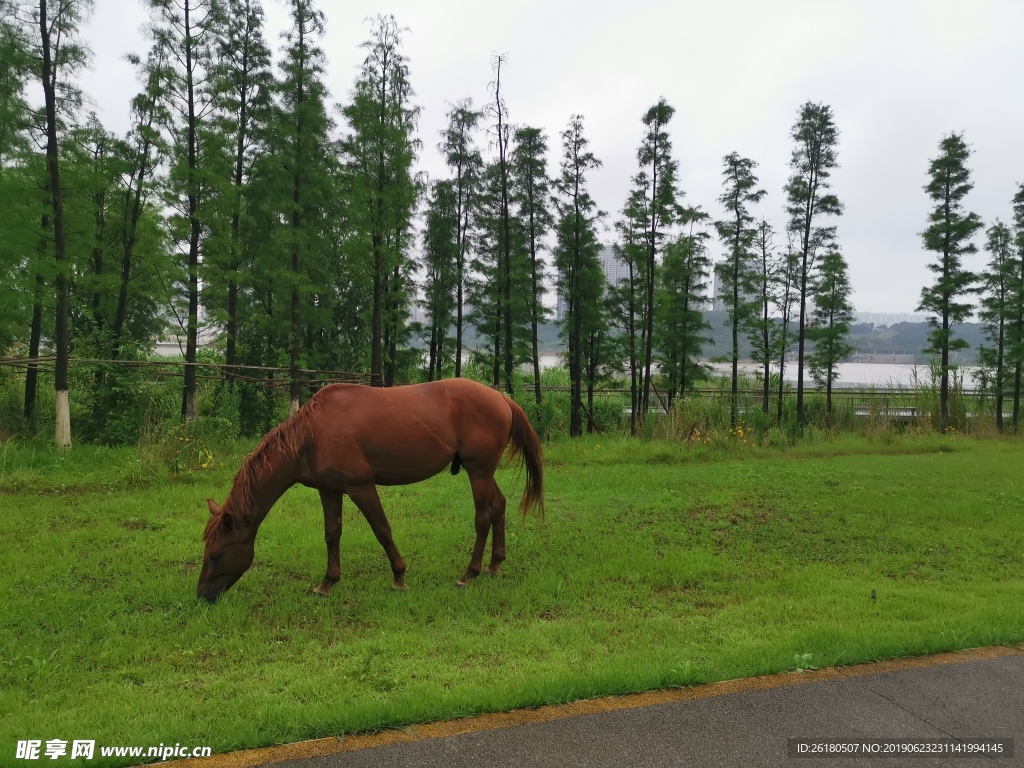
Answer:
(369, 504)
(331, 501)
(490, 509)
(498, 534)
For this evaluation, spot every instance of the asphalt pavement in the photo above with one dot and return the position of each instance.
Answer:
(945, 702)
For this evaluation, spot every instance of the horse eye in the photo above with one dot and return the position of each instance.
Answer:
(215, 556)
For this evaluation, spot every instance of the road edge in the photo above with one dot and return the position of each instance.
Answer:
(250, 758)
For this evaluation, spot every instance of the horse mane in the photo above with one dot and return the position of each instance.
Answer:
(286, 438)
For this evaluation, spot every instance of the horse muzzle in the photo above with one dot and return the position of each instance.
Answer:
(209, 595)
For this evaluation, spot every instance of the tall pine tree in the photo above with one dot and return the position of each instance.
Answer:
(948, 235)
(241, 88)
(628, 299)
(655, 156)
(576, 255)
(302, 144)
(531, 191)
(762, 329)
(833, 316)
(464, 160)
(814, 157)
(380, 151)
(1016, 340)
(681, 330)
(182, 31)
(787, 299)
(59, 55)
(440, 245)
(737, 272)
(997, 285)
(502, 137)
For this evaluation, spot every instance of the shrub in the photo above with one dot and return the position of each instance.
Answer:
(189, 446)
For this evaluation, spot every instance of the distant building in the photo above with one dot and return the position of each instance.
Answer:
(891, 358)
(720, 298)
(561, 309)
(173, 341)
(417, 312)
(717, 291)
(615, 271)
(889, 318)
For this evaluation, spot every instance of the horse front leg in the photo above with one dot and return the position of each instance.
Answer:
(369, 504)
(331, 501)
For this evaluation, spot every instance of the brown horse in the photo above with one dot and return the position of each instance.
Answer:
(350, 439)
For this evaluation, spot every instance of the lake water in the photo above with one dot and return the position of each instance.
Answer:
(880, 375)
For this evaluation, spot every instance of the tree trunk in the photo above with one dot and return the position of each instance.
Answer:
(575, 338)
(734, 400)
(295, 385)
(1016, 397)
(1017, 366)
(800, 349)
(62, 433)
(393, 323)
(944, 385)
(231, 353)
(536, 354)
(506, 249)
(433, 349)
(460, 236)
(1000, 374)
(634, 388)
(100, 220)
(649, 341)
(188, 399)
(575, 372)
(535, 298)
(782, 368)
(682, 365)
(828, 397)
(376, 379)
(591, 375)
(36, 329)
(458, 326)
(765, 339)
(496, 366)
(133, 197)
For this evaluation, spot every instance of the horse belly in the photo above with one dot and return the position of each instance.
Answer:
(394, 478)
(410, 460)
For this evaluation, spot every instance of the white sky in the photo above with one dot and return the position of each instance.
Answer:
(898, 74)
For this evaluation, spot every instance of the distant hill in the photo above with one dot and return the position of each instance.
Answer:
(897, 339)
(911, 338)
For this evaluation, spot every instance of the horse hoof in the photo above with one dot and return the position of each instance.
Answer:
(461, 584)
(317, 592)
(399, 587)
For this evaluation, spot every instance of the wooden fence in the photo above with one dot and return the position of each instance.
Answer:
(263, 374)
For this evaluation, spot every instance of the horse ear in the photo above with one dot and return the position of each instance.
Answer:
(214, 509)
(227, 522)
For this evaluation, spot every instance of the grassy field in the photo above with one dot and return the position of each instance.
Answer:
(658, 565)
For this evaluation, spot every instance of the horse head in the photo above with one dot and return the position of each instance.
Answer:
(230, 543)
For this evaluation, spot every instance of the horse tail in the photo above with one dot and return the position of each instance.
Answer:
(526, 445)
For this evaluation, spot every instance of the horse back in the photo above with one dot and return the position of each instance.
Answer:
(406, 434)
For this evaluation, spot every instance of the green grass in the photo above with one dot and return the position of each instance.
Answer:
(658, 565)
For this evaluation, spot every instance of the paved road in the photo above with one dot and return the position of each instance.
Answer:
(964, 700)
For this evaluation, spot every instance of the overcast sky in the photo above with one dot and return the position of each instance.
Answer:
(898, 74)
